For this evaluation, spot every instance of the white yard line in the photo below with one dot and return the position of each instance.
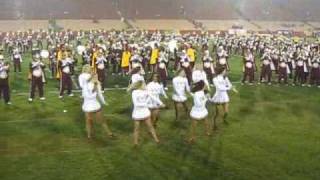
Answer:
(106, 89)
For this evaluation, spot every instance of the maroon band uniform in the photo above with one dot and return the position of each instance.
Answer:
(4, 82)
(37, 78)
(266, 72)
(248, 68)
(65, 66)
(315, 72)
(101, 70)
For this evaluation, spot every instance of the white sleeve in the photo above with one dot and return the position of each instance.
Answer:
(229, 83)
(163, 92)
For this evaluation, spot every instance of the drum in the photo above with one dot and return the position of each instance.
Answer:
(283, 64)
(81, 49)
(266, 62)
(66, 70)
(101, 66)
(16, 56)
(300, 63)
(186, 64)
(222, 61)
(207, 64)
(3, 75)
(315, 65)
(37, 73)
(44, 54)
(162, 65)
(249, 65)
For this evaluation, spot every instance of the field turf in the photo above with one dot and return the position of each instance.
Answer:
(274, 133)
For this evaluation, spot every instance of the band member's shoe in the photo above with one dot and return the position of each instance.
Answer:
(166, 88)
(318, 86)
(30, 99)
(42, 98)
(309, 85)
(60, 97)
(9, 103)
(303, 85)
(269, 83)
(71, 95)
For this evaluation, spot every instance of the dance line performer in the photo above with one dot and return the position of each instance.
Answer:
(92, 100)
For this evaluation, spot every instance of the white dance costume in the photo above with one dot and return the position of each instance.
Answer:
(141, 100)
(90, 97)
(199, 110)
(180, 86)
(222, 85)
(155, 89)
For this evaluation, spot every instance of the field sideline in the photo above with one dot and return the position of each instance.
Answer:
(273, 134)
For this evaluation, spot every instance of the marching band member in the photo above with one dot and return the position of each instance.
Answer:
(92, 100)
(162, 71)
(199, 111)
(221, 98)
(36, 77)
(154, 57)
(4, 80)
(125, 61)
(283, 69)
(53, 62)
(315, 72)
(65, 66)
(275, 58)
(208, 65)
(266, 71)
(136, 61)
(17, 59)
(101, 69)
(156, 90)
(141, 112)
(191, 54)
(180, 88)
(300, 69)
(248, 67)
(222, 58)
(185, 65)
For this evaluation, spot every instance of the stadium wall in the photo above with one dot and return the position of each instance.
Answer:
(163, 24)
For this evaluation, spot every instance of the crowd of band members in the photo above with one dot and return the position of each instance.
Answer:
(120, 52)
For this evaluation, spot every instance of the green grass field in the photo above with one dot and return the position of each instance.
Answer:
(274, 133)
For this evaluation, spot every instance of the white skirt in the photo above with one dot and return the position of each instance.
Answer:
(198, 113)
(91, 106)
(178, 98)
(140, 113)
(220, 98)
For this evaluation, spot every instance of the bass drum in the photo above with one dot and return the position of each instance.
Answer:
(44, 54)
(81, 49)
